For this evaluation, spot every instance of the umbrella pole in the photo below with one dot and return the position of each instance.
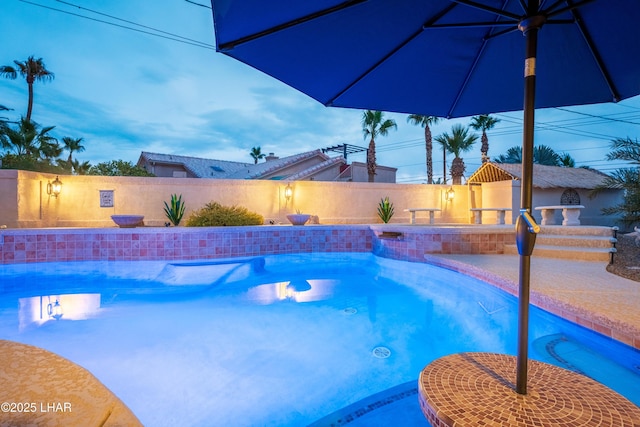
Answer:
(526, 228)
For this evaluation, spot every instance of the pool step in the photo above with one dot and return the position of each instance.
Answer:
(588, 243)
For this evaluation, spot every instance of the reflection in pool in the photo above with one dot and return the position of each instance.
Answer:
(280, 340)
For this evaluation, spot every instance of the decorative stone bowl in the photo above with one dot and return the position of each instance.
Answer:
(298, 219)
(128, 221)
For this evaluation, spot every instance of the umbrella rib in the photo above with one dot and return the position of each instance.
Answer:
(472, 25)
(232, 44)
(489, 9)
(570, 8)
(596, 55)
(485, 39)
(433, 19)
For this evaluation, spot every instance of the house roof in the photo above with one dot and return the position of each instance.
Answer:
(202, 168)
(223, 169)
(543, 176)
(268, 169)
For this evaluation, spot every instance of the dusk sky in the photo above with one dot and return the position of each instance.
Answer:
(134, 75)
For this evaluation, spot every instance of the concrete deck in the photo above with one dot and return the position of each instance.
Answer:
(581, 291)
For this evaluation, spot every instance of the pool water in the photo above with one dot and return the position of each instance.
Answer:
(287, 340)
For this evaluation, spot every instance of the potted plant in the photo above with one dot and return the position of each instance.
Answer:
(298, 218)
(174, 212)
(385, 210)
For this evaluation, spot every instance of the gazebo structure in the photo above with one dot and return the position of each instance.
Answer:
(498, 185)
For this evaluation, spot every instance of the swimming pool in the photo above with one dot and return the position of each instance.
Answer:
(279, 340)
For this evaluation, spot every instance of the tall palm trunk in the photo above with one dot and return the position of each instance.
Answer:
(30, 80)
(484, 148)
(371, 160)
(429, 149)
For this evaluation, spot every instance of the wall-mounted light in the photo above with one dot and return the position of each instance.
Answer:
(288, 192)
(449, 194)
(54, 188)
(55, 310)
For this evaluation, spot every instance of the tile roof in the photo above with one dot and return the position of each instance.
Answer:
(223, 169)
(543, 176)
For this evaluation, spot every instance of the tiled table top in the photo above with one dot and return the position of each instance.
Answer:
(478, 389)
(39, 388)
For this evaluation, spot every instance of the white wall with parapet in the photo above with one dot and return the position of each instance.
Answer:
(26, 204)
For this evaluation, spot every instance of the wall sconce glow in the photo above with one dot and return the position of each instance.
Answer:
(288, 192)
(54, 188)
(55, 310)
(449, 194)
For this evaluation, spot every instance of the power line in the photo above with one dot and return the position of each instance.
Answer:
(157, 33)
(198, 4)
(596, 116)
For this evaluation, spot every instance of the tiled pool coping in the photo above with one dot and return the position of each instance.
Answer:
(401, 242)
(151, 243)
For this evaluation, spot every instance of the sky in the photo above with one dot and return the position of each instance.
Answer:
(139, 75)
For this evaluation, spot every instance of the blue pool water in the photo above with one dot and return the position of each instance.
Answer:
(289, 340)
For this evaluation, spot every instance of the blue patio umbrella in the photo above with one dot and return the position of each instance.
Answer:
(447, 58)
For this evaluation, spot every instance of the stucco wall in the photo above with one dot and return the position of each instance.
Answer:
(23, 194)
(26, 204)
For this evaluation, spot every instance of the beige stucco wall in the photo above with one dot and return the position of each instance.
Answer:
(25, 203)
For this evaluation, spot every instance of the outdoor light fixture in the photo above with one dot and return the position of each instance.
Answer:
(54, 188)
(55, 310)
(288, 192)
(449, 194)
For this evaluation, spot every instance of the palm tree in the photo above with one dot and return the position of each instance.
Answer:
(627, 179)
(32, 70)
(484, 122)
(513, 155)
(542, 155)
(257, 154)
(458, 142)
(29, 140)
(71, 145)
(425, 121)
(566, 161)
(374, 124)
(81, 168)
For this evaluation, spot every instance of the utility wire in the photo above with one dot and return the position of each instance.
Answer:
(595, 116)
(198, 4)
(157, 33)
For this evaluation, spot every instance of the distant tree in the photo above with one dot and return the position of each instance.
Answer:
(542, 155)
(4, 124)
(484, 122)
(71, 145)
(117, 168)
(257, 154)
(28, 139)
(425, 122)
(567, 161)
(32, 70)
(627, 179)
(374, 124)
(513, 155)
(458, 142)
(81, 168)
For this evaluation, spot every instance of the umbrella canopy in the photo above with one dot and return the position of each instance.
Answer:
(438, 57)
(447, 58)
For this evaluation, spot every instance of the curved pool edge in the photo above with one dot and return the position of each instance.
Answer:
(602, 323)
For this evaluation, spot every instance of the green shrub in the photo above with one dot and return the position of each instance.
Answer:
(214, 214)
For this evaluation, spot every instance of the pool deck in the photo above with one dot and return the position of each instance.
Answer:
(582, 291)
